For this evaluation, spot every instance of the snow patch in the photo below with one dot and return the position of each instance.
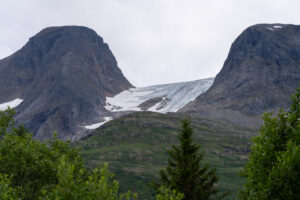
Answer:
(11, 104)
(173, 96)
(97, 125)
(274, 27)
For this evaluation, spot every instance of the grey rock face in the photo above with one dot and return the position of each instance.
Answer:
(260, 73)
(63, 74)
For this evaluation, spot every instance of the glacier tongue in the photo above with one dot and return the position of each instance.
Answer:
(165, 98)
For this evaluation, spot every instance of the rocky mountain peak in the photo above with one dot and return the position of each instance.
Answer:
(64, 75)
(260, 73)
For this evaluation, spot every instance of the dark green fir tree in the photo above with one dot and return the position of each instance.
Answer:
(186, 172)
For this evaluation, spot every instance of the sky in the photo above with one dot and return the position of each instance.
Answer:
(154, 41)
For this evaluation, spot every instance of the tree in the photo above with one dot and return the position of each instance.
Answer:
(6, 121)
(273, 169)
(165, 193)
(6, 191)
(98, 185)
(185, 171)
(50, 170)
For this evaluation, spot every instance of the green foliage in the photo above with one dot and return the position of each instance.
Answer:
(185, 171)
(167, 194)
(135, 146)
(273, 170)
(52, 170)
(99, 185)
(6, 121)
(31, 164)
(6, 191)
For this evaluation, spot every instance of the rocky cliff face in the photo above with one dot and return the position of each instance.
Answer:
(260, 73)
(64, 75)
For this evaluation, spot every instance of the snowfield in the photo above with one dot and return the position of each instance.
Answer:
(158, 98)
(11, 104)
(97, 125)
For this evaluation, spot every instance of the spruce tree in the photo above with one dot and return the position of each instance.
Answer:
(186, 172)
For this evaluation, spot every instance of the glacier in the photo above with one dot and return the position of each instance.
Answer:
(158, 98)
(12, 104)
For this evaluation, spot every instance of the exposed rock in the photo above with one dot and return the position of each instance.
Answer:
(260, 73)
(64, 75)
(149, 103)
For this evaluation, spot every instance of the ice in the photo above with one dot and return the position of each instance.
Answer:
(11, 104)
(277, 26)
(97, 125)
(173, 96)
(270, 28)
(127, 100)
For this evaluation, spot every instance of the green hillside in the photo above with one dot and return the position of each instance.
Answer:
(135, 147)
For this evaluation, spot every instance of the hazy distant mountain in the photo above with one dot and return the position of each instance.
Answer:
(260, 73)
(63, 75)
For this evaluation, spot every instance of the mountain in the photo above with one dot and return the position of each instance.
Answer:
(60, 80)
(260, 73)
(66, 79)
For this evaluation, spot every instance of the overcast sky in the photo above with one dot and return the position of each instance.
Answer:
(154, 41)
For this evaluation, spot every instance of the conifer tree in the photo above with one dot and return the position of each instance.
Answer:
(186, 172)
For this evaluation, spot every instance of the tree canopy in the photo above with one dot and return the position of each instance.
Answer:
(53, 170)
(273, 169)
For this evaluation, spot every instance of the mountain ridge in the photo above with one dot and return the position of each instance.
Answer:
(68, 80)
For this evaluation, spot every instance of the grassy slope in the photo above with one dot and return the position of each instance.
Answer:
(135, 147)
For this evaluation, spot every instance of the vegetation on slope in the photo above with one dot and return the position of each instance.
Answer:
(136, 147)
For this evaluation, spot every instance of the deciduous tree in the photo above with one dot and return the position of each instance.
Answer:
(273, 169)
